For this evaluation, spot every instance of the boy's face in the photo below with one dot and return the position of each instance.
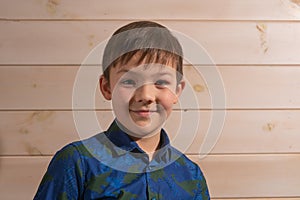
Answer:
(142, 96)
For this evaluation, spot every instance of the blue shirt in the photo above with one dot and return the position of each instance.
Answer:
(110, 165)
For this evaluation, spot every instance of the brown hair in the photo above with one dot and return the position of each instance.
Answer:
(152, 41)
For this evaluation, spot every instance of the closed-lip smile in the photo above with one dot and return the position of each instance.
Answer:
(142, 112)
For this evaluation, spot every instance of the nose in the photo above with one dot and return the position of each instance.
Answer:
(145, 94)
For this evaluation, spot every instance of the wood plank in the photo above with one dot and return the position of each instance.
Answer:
(232, 176)
(51, 87)
(44, 132)
(252, 176)
(69, 42)
(171, 10)
(43, 87)
(20, 176)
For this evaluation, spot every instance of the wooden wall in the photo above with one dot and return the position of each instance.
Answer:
(255, 44)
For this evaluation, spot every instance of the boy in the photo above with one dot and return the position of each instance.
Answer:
(133, 159)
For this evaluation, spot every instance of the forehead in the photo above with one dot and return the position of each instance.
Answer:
(144, 69)
(148, 61)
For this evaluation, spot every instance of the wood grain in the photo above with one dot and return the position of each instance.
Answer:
(229, 43)
(168, 10)
(51, 87)
(255, 45)
(232, 176)
(252, 175)
(260, 132)
(20, 176)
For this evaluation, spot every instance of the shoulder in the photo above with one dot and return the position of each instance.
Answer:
(188, 175)
(182, 159)
(96, 150)
(192, 166)
(76, 151)
(66, 173)
(197, 178)
(188, 167)
(71, 150)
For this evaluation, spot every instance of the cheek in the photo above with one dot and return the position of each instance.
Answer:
(121, 96)
(167, 100)
(120, 103)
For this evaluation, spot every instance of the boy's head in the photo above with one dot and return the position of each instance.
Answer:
(142, 66)
(152, 42)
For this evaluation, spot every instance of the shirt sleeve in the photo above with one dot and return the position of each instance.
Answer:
(64, 176)
(203, 193)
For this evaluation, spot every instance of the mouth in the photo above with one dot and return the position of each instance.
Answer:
(143, 113)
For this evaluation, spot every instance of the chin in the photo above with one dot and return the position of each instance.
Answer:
(141, 127)
(143, 130)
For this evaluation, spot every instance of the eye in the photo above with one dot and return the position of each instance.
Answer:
(162, 83)
(128, 83)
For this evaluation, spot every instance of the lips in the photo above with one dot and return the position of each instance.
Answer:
(143, 113)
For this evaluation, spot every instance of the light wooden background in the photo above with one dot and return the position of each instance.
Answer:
(255, 44)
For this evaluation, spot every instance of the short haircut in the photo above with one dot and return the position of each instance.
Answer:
(153, 42)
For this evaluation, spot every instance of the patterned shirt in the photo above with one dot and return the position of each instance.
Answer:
(110, 165)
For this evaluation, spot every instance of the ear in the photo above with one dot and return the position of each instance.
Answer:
(179, 90)
(105, 88)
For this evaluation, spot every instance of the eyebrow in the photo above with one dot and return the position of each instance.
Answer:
(164, 73)
(136, 73)
(124, 71)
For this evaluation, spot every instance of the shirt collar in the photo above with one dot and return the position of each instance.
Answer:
(123, 143)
